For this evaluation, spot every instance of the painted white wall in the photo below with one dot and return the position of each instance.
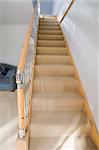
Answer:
(15, 16)
(11, 43)
(51, 7)
(80, 27)
(15, 11)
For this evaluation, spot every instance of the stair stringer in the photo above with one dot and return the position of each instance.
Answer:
(94, 134)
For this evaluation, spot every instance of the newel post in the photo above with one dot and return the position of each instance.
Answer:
(20, 102)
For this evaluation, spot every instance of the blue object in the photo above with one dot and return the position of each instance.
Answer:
(7, 77)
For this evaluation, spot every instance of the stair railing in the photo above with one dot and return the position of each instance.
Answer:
(24, 77)
(69, 4)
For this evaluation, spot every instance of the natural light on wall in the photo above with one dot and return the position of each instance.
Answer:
(63, 9)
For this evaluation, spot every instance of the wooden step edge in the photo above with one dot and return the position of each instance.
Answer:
(47, 26)
(48, 41)
(50, 23)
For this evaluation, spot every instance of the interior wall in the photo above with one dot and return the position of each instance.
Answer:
(51, 7)
(14, 19)
(80, 28)
(11, 43)
(15, 11)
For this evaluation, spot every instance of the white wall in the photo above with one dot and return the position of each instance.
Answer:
(11, 43)
(15, 11)
(15, 16)
(80, 26)
(51, 7)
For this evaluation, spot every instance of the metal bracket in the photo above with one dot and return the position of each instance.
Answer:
(21, 133)
(19, 79)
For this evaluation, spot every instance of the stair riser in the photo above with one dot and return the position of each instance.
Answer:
(49, 28)
(48, 21)
(51, 51)
(47, 131)
(50, 32)
(53, 71)
(50, 37)
(48, 18)
(59, 60)
(54, 85)
(51, 131)
(49, 24)
(56, 105)
(51, 43)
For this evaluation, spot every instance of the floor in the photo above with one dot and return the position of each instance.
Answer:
(8, 121)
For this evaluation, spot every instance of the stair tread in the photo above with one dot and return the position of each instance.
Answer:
(70, 78)
(52, 124)
(54, 65)
(54, 83)
(57, 101)
(70, 143)
(50, 37)
(50, 32)
(56, 118)
(54, 56)
(53, 59)
(48, 20)
(49, 27)
(60, 48)
(51, 43)
(48, 24)
(54, 70)
(52, 50)
(59, 95)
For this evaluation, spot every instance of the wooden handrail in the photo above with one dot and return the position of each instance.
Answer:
(70, 5)
(24, 77)
(25, 74)
(24, 51)
(19, 80)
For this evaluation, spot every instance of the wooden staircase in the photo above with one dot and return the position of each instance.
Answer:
(57, 122)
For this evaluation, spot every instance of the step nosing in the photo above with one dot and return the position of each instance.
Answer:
(62, 41)
(66, 56)
(54, 65)
(58, 93)
(68, 78)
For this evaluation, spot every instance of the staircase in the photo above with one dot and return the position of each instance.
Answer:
(57, 121)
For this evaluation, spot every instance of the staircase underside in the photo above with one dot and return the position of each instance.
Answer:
(57, 122)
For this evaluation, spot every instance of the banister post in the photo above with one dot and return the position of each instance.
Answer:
(20, 101)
